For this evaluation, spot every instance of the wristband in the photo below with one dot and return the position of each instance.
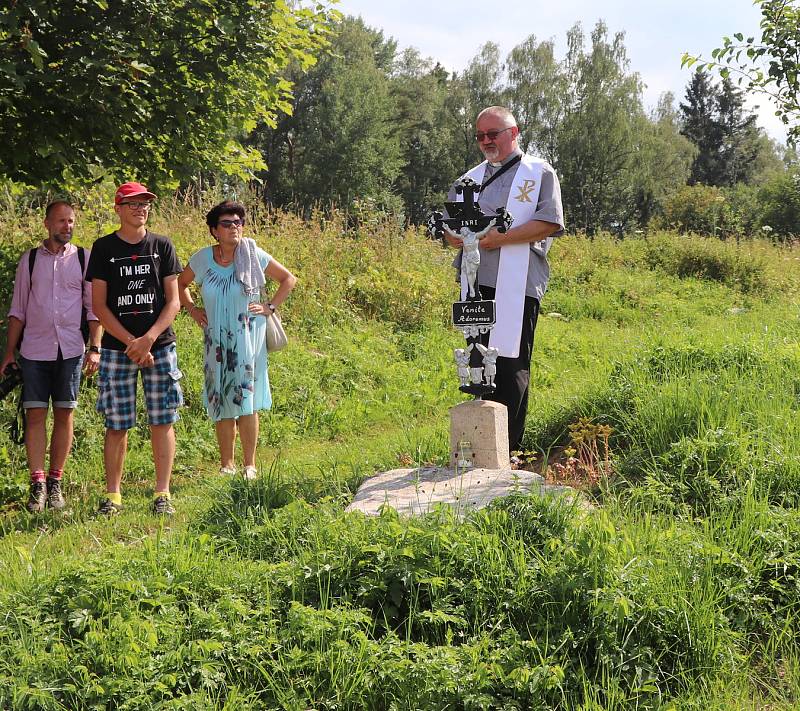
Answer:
(271, 307)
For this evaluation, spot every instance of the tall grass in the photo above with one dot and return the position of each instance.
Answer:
(677, 588)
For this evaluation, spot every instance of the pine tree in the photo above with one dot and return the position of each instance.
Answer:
(740, 136)
(727, 138)
(701, 127)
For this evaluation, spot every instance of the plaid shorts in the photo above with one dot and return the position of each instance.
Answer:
(116, 398)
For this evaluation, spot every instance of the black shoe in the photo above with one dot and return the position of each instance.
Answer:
(162, 506)
(108, 508)
(55, 499)
(37, 499)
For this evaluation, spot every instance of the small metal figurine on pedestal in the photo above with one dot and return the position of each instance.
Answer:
(474, 317)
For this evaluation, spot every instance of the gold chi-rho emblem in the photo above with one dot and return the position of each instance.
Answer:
(525, 191)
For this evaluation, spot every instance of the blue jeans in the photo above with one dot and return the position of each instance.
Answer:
(45, 379)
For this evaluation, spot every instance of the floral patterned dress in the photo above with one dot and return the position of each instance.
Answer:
(236, 380)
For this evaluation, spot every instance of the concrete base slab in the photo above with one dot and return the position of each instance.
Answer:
(415, 491)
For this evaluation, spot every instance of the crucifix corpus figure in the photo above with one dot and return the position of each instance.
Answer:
(467, 224)
(474, 316)
(472, 255)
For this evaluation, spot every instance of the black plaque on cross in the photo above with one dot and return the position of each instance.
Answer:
(474, 316)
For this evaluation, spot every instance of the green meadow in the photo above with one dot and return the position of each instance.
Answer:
(672, 583)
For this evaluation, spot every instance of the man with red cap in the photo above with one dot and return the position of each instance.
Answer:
(134, 276)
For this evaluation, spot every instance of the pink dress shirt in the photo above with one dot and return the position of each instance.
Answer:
(51, 311)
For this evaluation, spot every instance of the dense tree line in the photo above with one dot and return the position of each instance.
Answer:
(393, 129)
(320, 110)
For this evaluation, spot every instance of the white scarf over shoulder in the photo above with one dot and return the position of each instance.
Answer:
(248, 268)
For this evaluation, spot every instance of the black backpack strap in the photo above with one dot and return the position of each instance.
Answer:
(31, 262)
(84, 321)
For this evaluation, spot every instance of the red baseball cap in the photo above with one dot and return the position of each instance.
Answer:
(129, 190)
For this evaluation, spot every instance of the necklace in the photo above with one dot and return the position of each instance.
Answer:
(220, 258)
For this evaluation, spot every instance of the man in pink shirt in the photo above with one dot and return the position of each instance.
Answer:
(50, 295)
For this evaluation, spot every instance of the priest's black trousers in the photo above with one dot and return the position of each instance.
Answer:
(514, 374)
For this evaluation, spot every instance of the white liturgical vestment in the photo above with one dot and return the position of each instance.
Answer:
(512, 272)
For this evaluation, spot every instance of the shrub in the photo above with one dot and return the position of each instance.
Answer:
(780, 205)
(729, 264)
(701, 209)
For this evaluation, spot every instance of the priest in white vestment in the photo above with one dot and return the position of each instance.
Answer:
(513, 269)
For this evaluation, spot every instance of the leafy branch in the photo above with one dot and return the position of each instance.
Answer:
(770, 66)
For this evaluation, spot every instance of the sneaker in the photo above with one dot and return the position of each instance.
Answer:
(250, 473)
(108, 508)
(55, 499)
(227, 471)
(37, 499)
(162, 506)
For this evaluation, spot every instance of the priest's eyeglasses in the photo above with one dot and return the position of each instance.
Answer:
(491, 135)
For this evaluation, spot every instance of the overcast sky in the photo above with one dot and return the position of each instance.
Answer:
(656, 32)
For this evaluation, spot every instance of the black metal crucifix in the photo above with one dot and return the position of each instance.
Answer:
(474, 316)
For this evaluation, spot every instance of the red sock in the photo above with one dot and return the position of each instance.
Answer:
(55, 474)
(38, 475)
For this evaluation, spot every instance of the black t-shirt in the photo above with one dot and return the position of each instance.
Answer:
(134, 275)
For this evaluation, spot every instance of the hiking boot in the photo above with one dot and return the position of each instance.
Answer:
(108, 508)
(55, 499)
(37, 499)
(162, 506)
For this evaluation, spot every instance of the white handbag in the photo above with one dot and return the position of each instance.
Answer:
(276, 336)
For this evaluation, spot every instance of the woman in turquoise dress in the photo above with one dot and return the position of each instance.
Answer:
(231, 276)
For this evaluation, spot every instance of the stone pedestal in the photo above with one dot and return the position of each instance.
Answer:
(479, 435)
